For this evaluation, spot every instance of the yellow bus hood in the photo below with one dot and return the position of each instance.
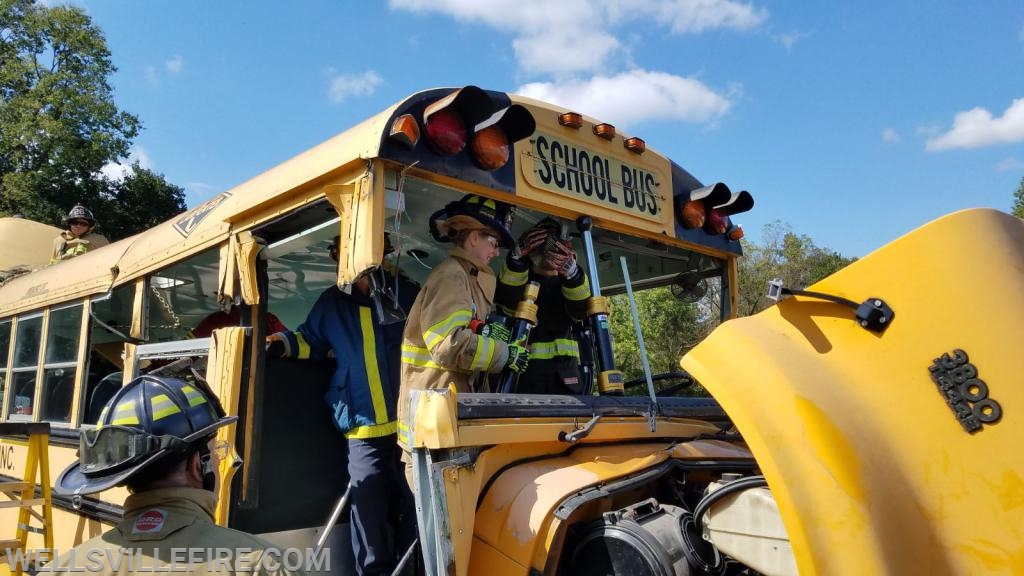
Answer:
(873, 472)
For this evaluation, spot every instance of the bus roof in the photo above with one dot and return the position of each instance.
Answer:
(304, 175)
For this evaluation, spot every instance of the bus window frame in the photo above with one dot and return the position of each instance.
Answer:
(12, 369)
(77, 364)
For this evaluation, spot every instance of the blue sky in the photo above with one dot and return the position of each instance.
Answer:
(854, 122)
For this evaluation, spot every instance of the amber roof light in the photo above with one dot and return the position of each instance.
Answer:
(606, 131)
(635, 145)
(571, 119)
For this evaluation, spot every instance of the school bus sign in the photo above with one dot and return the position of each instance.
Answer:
(598, 177)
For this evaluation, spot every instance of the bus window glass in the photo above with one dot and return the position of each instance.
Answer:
(109, 323)
(60, 367)
(181, 296)
(299, 266)
(26, 360)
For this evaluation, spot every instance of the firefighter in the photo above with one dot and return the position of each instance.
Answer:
(363, 330)
(79, 236)
(441, 344)
(544, 255)
(157, 437)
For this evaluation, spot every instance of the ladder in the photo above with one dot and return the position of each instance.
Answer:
(22, 494)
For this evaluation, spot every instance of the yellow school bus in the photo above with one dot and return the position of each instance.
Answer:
(864, 425)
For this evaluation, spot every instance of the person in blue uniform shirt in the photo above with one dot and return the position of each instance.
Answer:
(363, 331)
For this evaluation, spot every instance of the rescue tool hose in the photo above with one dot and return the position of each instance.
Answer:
(609, 380)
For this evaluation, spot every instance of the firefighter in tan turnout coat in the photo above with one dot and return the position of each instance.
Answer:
(446, 340)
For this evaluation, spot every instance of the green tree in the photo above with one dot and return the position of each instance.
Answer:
(672, 327)
(59, 125)
(1018, 200)
(141, 200)
(782, 254)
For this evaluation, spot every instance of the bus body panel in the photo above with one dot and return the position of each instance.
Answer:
(873, 471)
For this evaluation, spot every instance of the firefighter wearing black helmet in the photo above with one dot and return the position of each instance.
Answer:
(544, 254)
(78, 236)
(157, 437)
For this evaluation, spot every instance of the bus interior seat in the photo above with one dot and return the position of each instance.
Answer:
(301, 468)
(58, 398)
(101, 393)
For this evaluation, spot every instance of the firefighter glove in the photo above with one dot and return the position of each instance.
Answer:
(562, 258)
(496, 330)
(518, 358)
(529, 241)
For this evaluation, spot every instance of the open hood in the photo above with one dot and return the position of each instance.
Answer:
(872, 468)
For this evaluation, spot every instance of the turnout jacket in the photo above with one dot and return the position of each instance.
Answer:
(364, 388)
(67, 245)
(155, 522)
(561, 303)
(439, 347)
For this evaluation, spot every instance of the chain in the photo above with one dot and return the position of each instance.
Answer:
(167, 306)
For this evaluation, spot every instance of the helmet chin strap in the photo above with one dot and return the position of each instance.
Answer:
(206, 467)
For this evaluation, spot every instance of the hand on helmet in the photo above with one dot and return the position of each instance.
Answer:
(518, 358)
(529, 241)
(562, 258)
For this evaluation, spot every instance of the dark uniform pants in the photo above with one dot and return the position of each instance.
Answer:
(383, 511)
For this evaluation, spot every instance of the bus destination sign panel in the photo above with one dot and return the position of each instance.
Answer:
(573, 170)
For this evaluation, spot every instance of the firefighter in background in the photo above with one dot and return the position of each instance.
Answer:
(442, 344)
(544, 255)
(79, 236)
(157, 437)
(363, 330)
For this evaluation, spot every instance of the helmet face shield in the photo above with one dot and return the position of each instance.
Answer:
(111, 448)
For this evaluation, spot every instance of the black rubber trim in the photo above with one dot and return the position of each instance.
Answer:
(484, 406)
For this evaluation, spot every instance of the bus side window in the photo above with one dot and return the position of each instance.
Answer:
(21, 402)
(60, 365)
(109, 324)
(180, 296)
(5, 348)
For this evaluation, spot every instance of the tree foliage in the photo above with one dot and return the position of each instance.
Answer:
(1018, 200)
(59, 125)
(785, 255)
(671, 327)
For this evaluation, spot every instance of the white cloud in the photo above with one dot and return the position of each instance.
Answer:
(174, 65)
(977, 128)
(634, 96)
(117, 171)
(344, 85)
(1009, 165)
(573, 36)
(788, 39)
(693, 16)
(891, 136)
